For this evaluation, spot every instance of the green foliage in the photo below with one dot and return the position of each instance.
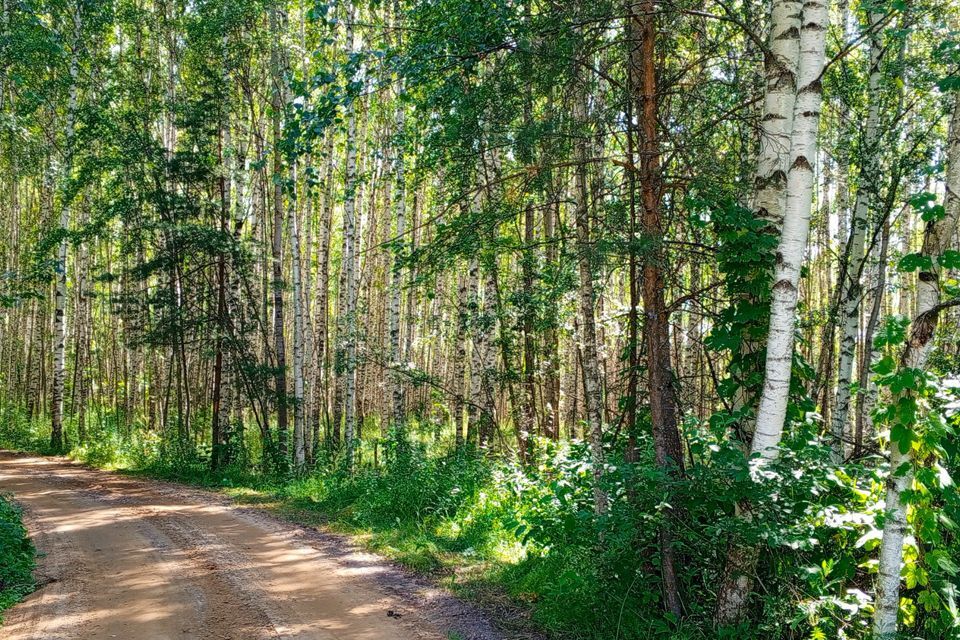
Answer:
(921, 419)
(16, 556)
(484, 526)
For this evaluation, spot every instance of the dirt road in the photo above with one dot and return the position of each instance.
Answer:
(141, 560)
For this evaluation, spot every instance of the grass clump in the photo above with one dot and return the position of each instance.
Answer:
(16, 556)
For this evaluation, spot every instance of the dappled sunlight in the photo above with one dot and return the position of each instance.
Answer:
(120, 560)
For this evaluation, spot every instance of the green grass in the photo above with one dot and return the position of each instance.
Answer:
(16, 556)
(522, 540)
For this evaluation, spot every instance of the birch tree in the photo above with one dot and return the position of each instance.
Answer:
(771, 415)
(937, 238)
(851, 294)
(60, 296)
(796, 227)
(299, 422)
(396, 278)
(278, 91)
(351, 239)
(776, 124)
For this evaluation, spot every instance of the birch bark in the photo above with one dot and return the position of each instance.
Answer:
(60, 295)
(937, 237)
(796, 228)
(852, 290)
(350, 242)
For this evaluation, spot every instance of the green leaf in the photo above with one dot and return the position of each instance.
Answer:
(914, 261)
(907, 410)
(951, 83)
(893, 333)
(950, 259)
(903, 436)
(931, 214)
(884, 366)
(941, 561)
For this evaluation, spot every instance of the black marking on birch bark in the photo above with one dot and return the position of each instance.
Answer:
(789, 34)
(923, 329)
(801, 163)
(783, 285)
(778, 177)
(786, 79)
(814, 87)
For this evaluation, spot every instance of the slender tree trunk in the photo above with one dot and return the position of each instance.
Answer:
(592, 389)
(278, 78)
(460, 362)
(668, 450)
(852, 290)
(734, 593)
(299, 432)
(350, 244)
(551, 342)
(221, 409)
(478, 349)
(488, 361)
(937, 238)
(321, 330)
(867, 389)
(60, 296)
(396, 274)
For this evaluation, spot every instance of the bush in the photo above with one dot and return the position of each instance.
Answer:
(16, 556)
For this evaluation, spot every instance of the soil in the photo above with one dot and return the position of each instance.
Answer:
(133, 559)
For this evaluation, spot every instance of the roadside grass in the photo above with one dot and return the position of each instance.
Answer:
(521, 542)
(16, 556)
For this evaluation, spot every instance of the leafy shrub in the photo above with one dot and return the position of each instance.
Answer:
(16, 556)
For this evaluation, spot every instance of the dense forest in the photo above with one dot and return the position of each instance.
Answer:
(648, 309)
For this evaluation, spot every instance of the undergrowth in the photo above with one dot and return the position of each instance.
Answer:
(500, 532)
(16, 556)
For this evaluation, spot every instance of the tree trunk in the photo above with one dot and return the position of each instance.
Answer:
(396, 274)
(279, 80)
(851, 288)
(937, 238)
(299, 422)
(796, 227)
(348, 338)
(668, 450)
(60, 295)
(478, 349)
(734, 594)
(592, 389)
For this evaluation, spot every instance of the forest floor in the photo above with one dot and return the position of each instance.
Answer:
(129, 558)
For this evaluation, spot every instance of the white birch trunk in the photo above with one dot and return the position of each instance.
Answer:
(852, 293)
(323, 287)
(796, 228)
(460, 362)
(396, 276)
(478, 346)
(938, 236)
(60, 295)
(778, 107)
(350, 241)
(299, 432)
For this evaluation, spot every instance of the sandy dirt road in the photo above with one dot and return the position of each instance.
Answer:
(141, 560)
